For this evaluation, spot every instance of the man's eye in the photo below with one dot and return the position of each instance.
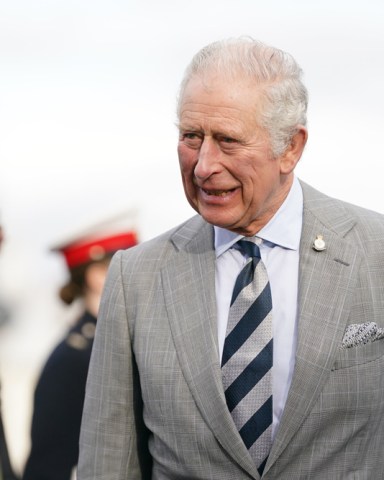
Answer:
(191, 139)
(227, 140)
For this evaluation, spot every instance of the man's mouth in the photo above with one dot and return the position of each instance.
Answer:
(218, 193)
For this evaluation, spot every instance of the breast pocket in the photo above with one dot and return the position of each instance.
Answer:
(359, 355)
(355, 386)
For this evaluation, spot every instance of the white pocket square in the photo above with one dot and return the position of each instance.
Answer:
(361, 333)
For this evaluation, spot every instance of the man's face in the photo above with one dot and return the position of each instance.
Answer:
(229, 174)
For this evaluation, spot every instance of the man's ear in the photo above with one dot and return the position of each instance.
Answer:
(291, 156)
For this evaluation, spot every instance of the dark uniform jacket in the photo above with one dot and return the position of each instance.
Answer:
(58, 405)
(6, 472)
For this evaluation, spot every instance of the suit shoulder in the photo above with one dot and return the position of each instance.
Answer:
(363, 216)
(158, 249)
(330, 207)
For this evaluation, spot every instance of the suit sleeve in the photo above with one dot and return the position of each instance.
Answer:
(108, 439)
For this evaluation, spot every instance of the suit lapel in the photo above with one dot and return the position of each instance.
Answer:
(326, 282)
(191, 307)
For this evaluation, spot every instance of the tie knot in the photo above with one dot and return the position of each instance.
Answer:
(249, 247)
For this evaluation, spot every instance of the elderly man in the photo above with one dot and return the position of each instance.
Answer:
(247, 342)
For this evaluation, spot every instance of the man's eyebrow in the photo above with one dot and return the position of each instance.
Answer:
(185, 126)
(226, 133)
(219, 132)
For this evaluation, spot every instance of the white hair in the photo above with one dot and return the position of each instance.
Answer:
(275, 74)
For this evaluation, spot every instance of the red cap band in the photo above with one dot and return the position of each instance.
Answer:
(83, 252)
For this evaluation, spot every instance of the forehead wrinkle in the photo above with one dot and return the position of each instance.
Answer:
(215, 121)
(204, 108)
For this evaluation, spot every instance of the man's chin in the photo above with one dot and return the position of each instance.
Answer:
(217, 221)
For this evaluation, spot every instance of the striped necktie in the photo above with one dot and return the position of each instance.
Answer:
(248, 355)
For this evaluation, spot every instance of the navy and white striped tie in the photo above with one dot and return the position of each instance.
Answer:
(248, 355)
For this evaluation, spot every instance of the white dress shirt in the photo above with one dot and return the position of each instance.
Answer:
(280, 254)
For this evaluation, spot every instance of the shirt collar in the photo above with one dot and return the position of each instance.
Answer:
(284, 228)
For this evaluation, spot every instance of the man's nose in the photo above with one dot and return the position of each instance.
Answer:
(208, 159)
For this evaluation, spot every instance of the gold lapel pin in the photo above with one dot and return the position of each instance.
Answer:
(319, 244)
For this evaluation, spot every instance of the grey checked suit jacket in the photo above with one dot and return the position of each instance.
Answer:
(155, 406)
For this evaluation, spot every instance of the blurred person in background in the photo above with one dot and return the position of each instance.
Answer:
(60, 391)
(6, 471)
